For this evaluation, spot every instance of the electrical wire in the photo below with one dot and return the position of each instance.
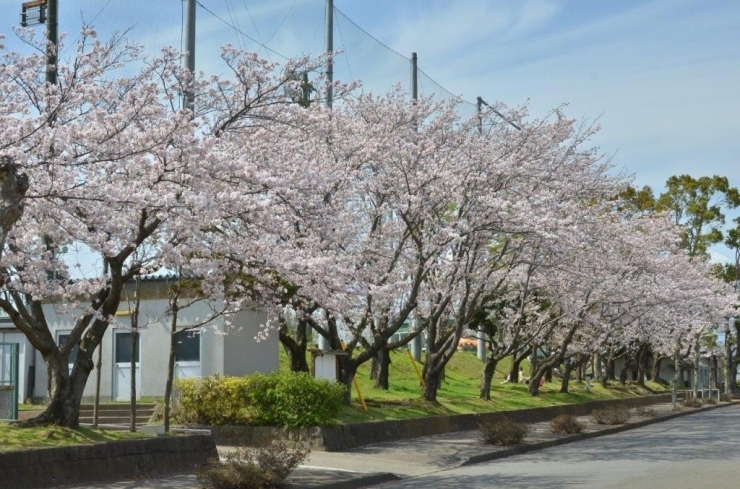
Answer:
(341, 37)
(290, 10)
(240, 31)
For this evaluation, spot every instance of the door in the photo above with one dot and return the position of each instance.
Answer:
(187, 354)
(122, 366)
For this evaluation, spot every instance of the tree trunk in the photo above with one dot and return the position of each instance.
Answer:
(676, 373)
(13, 187)
(487, 378)
(730, 370)
(515, 364)
(624, 370)
(431, 385)
(697, 350)
(641, 365)
(383, 360)
(580, 374)
(96, 404)
(566, 378)
(65, 393)
(296, 347)
(347, 372)
(655, 371)
(174, 310)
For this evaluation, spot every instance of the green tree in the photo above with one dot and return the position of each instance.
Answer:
(696, 204)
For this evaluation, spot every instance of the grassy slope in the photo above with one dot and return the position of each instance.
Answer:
(459, 392)
(14, 438)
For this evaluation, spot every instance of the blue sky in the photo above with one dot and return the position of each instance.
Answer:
(661, 76)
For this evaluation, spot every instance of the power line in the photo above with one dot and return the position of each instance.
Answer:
(290, 10)
(239, 30)
(346, 58)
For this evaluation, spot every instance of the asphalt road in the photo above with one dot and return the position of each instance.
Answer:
(701, 451)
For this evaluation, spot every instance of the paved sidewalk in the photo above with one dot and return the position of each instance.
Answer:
(385, 462)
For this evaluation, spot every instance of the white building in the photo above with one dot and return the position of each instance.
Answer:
(216, 348)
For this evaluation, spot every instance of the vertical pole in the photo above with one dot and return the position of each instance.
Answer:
(329, 52)
(52, 37)
(481, 344)
(189, 101)
(479, 114)
(416, 342)
(414, 77)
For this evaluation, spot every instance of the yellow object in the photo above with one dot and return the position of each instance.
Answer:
(359, 394)
(416, 367)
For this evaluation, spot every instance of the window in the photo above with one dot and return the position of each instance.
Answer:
(187, 346)
(61, 340)
(123, 348)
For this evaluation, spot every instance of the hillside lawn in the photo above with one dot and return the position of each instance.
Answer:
(460, 390)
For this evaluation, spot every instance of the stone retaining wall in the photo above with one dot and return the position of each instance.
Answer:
(80, 464)
(347, 436)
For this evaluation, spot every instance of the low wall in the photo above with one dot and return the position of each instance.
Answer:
(347, 436)
(111, 461)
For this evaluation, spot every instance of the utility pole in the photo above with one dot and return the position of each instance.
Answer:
(329, 52)
(52, 33)
(189, 96)
(36, 12)
(414, 77)
(479, 114)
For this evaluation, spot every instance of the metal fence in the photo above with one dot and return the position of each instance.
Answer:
(9, 380)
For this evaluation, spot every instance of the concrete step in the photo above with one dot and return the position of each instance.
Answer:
(118, 413)
(114, 420)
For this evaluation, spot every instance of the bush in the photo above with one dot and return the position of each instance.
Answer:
(710, 400)
(294, 399)
(505, 432)
(726, 397)
(646, 412)
(611, 415)
(566, 423)
(252, 468)
(692, 402)
(211, 400)
(278, 399)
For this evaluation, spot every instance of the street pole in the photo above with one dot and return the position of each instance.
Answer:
(329, 52)
(189, 96)
(414, 77)
(479, 114)
(52, 37)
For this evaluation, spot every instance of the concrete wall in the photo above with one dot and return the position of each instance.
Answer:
(243, 354)
(83, 464)
(347, 436)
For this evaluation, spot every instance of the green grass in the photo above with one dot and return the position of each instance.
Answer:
(15, 438)
(459, 393)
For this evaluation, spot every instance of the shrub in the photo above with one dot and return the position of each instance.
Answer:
(278, 399)
(647, 412)
(692, 402)
(252, 468)
(212, 400)
(611, 415)
(566, 423)
(294, 399)
(710, 400)
(505, 432)
(726, 397)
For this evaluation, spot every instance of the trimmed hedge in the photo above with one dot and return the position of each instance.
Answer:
(284, 399)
